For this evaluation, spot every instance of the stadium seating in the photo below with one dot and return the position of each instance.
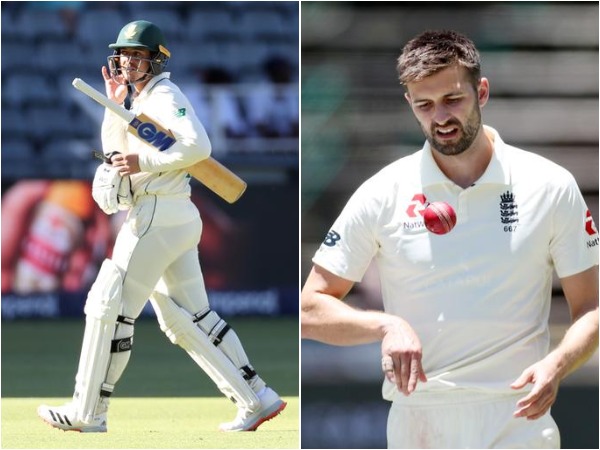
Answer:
(28, 89)
(211, 25)
(18, 155)
(46, 45)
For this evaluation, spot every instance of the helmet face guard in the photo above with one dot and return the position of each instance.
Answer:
(139, 34)
(157, 64)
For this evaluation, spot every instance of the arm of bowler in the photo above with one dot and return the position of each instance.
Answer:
(325, 318)
(577, 346)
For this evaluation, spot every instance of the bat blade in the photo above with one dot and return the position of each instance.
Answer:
(209, 172)
(230, 187)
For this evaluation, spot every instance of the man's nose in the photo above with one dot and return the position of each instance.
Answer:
(440, 115)
(127, 59)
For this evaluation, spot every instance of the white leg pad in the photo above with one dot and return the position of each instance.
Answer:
(227, 341)
(179, 327)
(101, 309)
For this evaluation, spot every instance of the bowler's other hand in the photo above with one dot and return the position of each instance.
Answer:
(127, 164)
(401, 357)
(545, 379)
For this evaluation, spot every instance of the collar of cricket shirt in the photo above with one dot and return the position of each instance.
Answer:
(152, 83)
(497, 172)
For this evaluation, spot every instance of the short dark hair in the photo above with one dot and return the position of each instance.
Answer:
(435, 50)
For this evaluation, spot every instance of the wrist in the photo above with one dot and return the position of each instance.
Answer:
(558, 364)
(388, 324)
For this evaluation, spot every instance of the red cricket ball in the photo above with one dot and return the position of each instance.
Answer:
(439, 217)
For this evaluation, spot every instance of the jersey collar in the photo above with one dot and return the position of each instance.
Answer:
(150, 85)
(497, 171)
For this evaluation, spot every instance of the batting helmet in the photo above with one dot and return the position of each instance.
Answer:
(141, 34)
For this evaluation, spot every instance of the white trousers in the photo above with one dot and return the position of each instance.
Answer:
(466, 420)
(157, 248)
(159, 243)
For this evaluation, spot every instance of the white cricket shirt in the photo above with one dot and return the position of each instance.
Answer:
(162, 171)
(479, 296)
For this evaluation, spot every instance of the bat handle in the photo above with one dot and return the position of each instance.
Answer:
(96, 154)
(104, 158)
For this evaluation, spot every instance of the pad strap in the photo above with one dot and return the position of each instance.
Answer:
(123, 344)
(106, 390)
(247, 372)
(125, 320)
(218, 330)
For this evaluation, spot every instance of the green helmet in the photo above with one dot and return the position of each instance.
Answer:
(141, 34)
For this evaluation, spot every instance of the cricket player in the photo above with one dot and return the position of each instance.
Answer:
(464, 336)
(155, 253)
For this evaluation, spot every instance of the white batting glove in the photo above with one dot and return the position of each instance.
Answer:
(110, 190)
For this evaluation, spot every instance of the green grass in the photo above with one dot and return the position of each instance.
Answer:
(163, 400)
(149, 423)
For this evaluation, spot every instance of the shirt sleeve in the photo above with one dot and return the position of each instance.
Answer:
(350, 244)
(174, 111)
(574, 243)
(113, 133)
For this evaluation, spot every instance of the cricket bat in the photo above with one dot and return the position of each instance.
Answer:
(209, 172)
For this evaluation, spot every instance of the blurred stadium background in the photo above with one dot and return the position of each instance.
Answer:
(238, 63)
(542, 62)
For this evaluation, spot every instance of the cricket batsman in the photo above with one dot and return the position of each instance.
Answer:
(155, 253)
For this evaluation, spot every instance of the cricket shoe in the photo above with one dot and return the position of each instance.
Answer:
(249, 420)
(64, 418)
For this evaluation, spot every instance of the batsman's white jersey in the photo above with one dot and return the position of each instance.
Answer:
(162, 172)
(153, 243)
(156, 249)
(478, 297)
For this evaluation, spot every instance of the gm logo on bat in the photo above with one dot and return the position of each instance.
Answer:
(147, 131)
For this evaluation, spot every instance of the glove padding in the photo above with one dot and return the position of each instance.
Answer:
(110, 190)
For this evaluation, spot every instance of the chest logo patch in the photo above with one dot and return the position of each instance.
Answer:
(509, 212)
(416, 206)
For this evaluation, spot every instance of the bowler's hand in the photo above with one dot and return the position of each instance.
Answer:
(545, 379)
(401, 357)
(114, 89)
(127, 164)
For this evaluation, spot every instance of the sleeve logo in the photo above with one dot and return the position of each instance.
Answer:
(331, 238)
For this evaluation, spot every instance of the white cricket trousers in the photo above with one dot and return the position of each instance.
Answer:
(465, 420)
(159, 242)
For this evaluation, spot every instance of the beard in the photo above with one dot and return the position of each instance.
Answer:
(467, 134)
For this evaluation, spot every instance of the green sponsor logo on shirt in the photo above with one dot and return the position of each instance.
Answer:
(180, 112)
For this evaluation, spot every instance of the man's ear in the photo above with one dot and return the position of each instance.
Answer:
(407, 97)
(483, 91)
